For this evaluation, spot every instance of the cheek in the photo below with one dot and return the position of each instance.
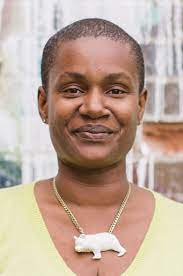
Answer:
(127, 113)
(59, 116)
(59, 111)
(127, 116)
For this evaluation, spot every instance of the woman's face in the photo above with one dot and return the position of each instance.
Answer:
(93, 105)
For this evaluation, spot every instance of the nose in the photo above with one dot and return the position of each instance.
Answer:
(93, 105)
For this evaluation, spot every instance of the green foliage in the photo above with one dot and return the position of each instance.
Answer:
(10, 170)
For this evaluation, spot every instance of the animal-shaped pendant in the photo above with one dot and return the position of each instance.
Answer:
(97, 243)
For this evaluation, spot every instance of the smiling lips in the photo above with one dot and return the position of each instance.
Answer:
(94, 132)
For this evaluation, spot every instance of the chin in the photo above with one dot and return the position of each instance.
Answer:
(96, 163)
(92, 158)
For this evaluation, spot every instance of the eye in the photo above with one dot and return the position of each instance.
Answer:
(72, 91)
(117, 91)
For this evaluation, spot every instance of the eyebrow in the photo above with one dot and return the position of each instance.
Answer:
(115, 76)
(73, 75)
(109, 78)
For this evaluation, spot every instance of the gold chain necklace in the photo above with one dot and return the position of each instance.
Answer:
(98, 242)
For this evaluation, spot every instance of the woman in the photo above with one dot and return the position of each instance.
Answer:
(89, 220)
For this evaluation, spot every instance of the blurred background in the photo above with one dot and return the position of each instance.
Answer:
(26, 154)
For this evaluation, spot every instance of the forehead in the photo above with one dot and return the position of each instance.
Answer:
(95, 56)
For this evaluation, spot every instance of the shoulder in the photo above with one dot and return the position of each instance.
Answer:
(12, 198)
(10, 193)
(164, 203)
(167, 204)
(13, 201)
(169, 213)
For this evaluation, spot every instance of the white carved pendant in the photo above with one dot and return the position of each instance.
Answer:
(97, 243)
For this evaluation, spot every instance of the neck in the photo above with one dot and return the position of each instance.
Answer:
(99, 187)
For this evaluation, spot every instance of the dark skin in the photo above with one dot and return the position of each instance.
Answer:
(93, 81)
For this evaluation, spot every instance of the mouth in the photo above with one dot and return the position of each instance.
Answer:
(93, 133)
(93, 136)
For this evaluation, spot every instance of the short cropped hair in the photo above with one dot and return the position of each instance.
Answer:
(90, 27)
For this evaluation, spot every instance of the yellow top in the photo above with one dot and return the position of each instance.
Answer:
(26, 248)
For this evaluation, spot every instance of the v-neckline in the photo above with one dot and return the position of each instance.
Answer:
(55, 256)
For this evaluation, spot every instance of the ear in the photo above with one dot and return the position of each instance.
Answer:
(141, 104)
(43, 104)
